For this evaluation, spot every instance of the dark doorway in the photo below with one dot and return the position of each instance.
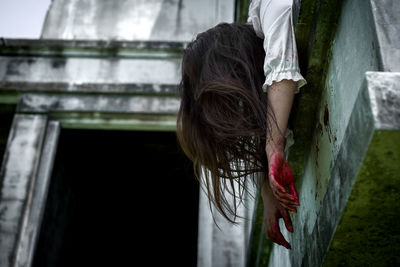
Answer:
(119, 198)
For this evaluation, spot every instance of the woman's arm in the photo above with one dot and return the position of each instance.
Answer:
(276, 200)
(280, 97)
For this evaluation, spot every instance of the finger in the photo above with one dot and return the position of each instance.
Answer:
(287, 220)
(277, 240)
(286, 201)
(279, 237)
(285, 196)
(272, 233)
(291, 208)
(293, 191)
(283, 242)
(274, 239)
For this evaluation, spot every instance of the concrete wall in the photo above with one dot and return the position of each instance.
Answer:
(342, 132)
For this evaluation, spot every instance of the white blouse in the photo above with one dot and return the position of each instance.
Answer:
(273, 21)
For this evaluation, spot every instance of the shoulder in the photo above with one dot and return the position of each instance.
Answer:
(267, 10)
(254, 17)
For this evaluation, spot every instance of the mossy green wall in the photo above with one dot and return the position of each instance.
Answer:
(369, 231)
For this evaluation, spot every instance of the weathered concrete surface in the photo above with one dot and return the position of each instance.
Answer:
(144, 68)
(387, 21)
(44, 103)
(26, 46)
(383, 88)
(88, 67)
(369, 224)
(134, 20)
(35, 207)
(17, 176)
(89, 70)
(102, 111)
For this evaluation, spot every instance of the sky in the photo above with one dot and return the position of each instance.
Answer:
(22, 18)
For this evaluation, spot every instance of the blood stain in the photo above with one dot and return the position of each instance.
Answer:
(326, 115)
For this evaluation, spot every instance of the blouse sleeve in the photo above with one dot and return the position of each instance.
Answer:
(273, 21)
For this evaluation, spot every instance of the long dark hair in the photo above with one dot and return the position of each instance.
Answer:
(222, 121)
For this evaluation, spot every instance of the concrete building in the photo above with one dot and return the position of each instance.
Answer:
(91, 171)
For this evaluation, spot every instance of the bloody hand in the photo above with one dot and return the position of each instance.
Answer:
(273, 211)
(281, 177)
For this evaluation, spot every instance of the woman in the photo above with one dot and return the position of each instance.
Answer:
(237, 88)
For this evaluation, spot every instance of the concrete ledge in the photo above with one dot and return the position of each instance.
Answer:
(100, 48)
(45, 103)
(104, 111)
(14, 88)
(383, 88)
(89, 70)
(386, 22)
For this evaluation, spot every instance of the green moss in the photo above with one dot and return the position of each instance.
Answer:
(315, 34)
(369, 231)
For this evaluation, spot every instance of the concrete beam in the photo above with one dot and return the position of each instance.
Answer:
(100, 111)
(10, 91)
(29, 234)
(59, 46)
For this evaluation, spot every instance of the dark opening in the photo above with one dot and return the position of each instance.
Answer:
(6, 116)
(119, 198)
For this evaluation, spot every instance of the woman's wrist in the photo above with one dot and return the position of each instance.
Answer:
(266, 192)
(274, 145)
